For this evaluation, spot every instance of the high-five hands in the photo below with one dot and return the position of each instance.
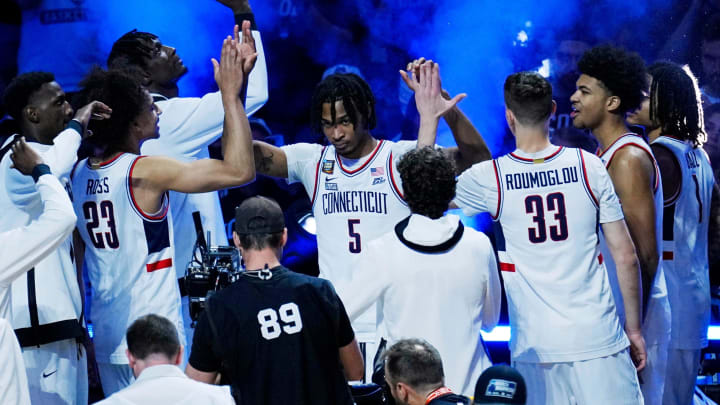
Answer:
(229, 71)
(423, 77)
(246, 46)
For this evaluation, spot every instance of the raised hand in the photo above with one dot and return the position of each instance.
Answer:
(24, 158)
(229, 71)
(246, 46)
(424, 80)
(95, 110)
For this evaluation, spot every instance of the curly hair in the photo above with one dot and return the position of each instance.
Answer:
(124, 94)
(131, 49)
(529, 96)
(21, 88)
(355, 94)
(428, 179)
(621, 72)
(675, 102)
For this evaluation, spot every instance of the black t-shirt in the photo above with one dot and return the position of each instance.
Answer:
(448, 399)
(277, 340)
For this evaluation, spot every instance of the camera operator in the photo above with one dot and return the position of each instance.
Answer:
(276, 336)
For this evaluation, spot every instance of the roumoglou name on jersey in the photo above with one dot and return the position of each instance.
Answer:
(354, 201)
(545, 178)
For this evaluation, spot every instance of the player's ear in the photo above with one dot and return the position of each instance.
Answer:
(284, 237)
(613, 103)
(510, 118)
(31, 114)
(131, 358)
(554, 108)
(236, 240)
(179, 356)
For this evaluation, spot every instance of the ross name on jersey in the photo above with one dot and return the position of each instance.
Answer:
(97, 186)
(545, 178)
(691, 160)
(354, 201)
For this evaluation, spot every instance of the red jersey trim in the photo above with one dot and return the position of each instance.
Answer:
(160, 264)
(509, 267)
(392, 178)
(364, 165)
(585, 178)
(533, 160)
(602, 152)
(132, 197)
(652, 159)
(109, 161)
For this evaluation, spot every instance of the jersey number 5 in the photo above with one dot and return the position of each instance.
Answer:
(90, 211)
(354, 244)
(270, 327)
(555, 202)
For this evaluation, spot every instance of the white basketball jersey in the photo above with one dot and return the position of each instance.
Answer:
(353, 207)
(656, 325)
(128, 254)
(546, 223)
(685, 245)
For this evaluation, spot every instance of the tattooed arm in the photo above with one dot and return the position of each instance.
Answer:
(270, 160)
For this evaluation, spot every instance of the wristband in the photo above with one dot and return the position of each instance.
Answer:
(40, 170)
(76, 125)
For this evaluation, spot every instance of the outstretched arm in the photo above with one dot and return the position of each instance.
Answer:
(425, 82)
(270, 160)
(256, 93)
(471, 147)
(154, 175)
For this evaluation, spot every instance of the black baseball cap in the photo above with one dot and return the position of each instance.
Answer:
(259, 215)
(500, 384)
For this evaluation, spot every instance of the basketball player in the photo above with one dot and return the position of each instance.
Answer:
(547, 202)
(121, 202)
(448, 271)
(673, 118)
(188, 126)
(46, 301)
(611, 83)
(353, 183)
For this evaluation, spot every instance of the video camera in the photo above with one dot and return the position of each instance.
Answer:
(216, 268)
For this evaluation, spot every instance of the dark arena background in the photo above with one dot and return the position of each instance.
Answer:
(477, 43)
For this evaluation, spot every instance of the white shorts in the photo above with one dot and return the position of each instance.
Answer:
(13, 380)
(602, 381)
(681, 376)
(114, 377)
(57, 373)
(652, 377)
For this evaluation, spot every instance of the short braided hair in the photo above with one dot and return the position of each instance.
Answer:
(349, 88)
